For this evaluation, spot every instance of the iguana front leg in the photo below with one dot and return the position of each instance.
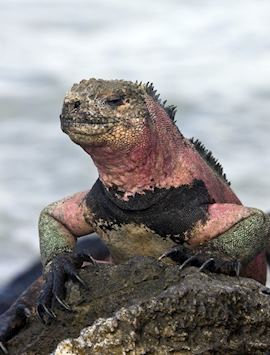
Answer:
(59, 226)
(233, 236)
(72, 210)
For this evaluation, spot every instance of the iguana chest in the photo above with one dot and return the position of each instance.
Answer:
(147, 224)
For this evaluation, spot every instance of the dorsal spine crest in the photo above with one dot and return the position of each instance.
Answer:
(170, 109)
(209, 158)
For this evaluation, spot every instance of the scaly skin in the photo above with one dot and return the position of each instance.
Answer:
(156, 189)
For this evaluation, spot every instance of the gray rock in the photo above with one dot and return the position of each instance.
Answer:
(148, 307)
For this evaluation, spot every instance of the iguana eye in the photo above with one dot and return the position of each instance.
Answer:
(115, 101)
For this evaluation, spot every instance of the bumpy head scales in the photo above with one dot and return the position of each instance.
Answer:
(98, 112)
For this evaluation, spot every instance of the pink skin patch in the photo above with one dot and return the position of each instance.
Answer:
(221, 218)
(70, 212)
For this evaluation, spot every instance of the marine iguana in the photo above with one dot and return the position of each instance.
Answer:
(157, 194)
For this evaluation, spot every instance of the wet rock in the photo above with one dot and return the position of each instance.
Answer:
(145, 306)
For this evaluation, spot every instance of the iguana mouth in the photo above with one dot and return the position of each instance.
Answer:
(96, 120)
(87, 127)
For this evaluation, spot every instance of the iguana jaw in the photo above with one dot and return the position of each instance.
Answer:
(115, 134)
(85, 132)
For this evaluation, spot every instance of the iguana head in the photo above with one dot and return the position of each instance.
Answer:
(107, 112)
(129, 133)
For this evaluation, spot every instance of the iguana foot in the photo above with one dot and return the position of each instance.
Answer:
(60, 269)
(203, 259)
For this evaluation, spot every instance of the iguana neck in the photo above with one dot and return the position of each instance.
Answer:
(151, 163)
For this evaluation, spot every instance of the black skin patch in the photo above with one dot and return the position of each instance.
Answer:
(168, 212)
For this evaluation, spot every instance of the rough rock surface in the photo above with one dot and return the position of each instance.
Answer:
(147, 307)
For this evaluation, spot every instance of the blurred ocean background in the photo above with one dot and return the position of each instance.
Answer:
(211, 58)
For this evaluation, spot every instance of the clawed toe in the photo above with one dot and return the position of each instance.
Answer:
(167, 254)
(81, 281)
(42, 309)
(203, 259)
(206, 264)
(72, 273)
(178, 254)
(62, 268)
(63, 303)
(87, 257)
(188, 261)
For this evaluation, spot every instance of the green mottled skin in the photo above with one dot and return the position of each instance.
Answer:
(243, 238)
(60, 224)
(54, 237)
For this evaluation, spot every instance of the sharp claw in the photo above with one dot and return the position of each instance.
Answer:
(209, 261)
(81, 281)
(167, 253)
(3, 348)
(40, 313)
(162, 256)
(91, 259)
(50, 313)
(87, 257)
(188, 261)
(63, 303)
